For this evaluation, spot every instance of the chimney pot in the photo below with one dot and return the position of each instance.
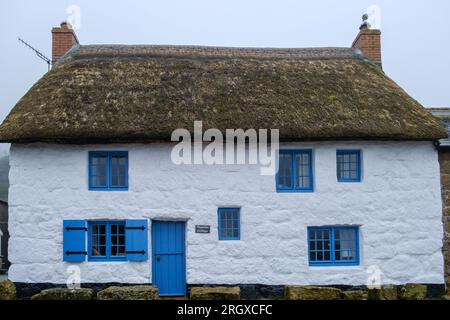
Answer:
(65, 25)
(365, 25)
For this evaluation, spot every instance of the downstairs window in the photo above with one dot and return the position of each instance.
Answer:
(229, 224)
(106, 240)
(333, 246)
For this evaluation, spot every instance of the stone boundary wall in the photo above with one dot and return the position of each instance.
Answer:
(444, 160)
(248, 291)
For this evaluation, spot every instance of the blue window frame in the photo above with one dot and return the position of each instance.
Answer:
(106, 241)
(333, 246)
(295, 172)
(229, 223)
(348, 163)
(108, 170)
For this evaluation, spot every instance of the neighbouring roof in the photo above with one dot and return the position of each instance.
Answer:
(443, 115)
(116, 93)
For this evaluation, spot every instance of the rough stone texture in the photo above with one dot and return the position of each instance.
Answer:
(215, 293)
(7, 290)
(252, 291)
(26, 290)
(259, 291)
(64, 294)
(312, 293)
(444, 160)
(386, 292)
(398, 206)
(355, 295)
(413, 292)
(143, 292)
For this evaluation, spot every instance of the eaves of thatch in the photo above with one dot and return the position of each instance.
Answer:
(142, 93)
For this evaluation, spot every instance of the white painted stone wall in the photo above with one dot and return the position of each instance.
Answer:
(397, 205)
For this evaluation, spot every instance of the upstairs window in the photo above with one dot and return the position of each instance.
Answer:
(106, 240)
(333, 246)
(229, 224)
(108, 170)
(348, 165)
(295, 173)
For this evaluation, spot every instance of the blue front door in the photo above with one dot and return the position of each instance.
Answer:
(168, 257)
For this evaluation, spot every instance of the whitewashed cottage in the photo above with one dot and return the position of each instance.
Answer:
(92, 184)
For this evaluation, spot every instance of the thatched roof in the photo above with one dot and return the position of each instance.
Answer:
(142, 93)
(443, 116)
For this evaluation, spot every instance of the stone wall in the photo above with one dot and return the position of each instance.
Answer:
(397, 206)
(444, 160)
(4, 263)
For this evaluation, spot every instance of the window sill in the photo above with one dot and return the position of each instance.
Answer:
(335, 267)
(106, 189)
(109, 260)
(349, 181)
(295, 191)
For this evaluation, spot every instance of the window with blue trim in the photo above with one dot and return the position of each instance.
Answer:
(229, 224)
(348, 165)
(108, 170)
(106, 240)
(333, 246)
(295, 173)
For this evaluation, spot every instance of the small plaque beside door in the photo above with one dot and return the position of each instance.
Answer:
(202, 229)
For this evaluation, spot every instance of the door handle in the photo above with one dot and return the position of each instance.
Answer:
(158, 258)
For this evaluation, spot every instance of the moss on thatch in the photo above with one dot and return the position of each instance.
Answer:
(143, 93)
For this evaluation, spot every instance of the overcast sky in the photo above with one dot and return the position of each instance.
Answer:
(415, 39)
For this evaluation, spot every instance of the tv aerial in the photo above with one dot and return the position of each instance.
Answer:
(38, 53)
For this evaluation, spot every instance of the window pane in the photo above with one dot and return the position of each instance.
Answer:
(345, 244)
(117, 239)
(303, 179)
(284, 171)
(319, 244)
(118, 171)
(98, 170)
(223, 233)
(98, 240)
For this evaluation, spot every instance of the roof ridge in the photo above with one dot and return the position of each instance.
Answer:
(109, 51)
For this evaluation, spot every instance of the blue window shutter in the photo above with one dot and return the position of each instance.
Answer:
(136, 240)
(74, 240)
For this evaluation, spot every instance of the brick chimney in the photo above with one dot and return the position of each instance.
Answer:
(368, 41)
(63, 39)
